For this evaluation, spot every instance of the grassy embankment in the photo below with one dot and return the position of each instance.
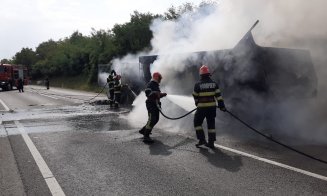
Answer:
(77, 83)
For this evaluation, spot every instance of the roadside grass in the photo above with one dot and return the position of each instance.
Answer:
(76, 82)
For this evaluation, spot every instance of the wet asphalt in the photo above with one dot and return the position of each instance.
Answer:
(95, 150)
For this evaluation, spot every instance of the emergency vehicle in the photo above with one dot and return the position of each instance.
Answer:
(9, 75)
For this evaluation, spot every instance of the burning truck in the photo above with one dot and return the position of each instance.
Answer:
(248, 74)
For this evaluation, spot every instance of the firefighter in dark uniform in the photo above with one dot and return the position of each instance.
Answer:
(47, 83)
(206, 93)
(111, 82)
(117, 90)
(20, 85)
(153, 95)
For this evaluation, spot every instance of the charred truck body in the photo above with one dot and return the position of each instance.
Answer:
(9, 75)
(249, 73)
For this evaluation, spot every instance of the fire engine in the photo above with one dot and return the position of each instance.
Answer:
(9, 75)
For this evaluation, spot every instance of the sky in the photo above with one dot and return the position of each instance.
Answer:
(27, 23)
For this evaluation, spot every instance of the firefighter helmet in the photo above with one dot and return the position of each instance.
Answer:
(204, 70)
(156, 75)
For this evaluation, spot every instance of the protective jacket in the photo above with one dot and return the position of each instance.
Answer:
(153, 95)
(206, 93)
(111, 83)
(153, 92)
(117, 87)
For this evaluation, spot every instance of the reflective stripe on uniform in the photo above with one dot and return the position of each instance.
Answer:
(147, 126)
(116, 92)
(198, 128)
(211, 131)
(209, 104)
(205, 94)
(218, 91)
(195, 94)
(220, 98)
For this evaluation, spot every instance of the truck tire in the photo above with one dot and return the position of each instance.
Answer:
(9, 87)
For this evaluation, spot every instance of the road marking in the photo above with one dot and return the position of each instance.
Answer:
(51, 181)
(34, 91)
(4, 105)
(274, 163)
(47, 96)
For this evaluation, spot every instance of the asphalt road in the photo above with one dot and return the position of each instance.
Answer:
(53, 142)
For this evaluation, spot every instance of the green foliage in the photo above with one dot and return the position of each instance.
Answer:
(135, 35)
(79, 55)
(25, 57)
(5, 61)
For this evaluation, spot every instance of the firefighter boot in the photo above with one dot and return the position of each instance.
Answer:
(141, 131)
(201, 137)
(110, 103)
(200, 143)
(147, 139)
(212, 139)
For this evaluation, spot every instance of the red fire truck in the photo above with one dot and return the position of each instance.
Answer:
(9, 75)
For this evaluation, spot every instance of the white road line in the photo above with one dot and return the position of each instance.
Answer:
(273, 163)
(43, 167)
(4, 105)
(34, 91)
(47, 96)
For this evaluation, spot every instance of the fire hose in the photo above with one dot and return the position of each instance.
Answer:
(176, 118)
(97, 94)
(269, 137)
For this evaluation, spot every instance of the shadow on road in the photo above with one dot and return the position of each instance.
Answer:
(159, 148)
(219, 159)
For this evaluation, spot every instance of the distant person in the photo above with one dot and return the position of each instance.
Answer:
(111, 84)
(47, 83)
(153, 95)
(20, 85)
(206, 93)
(117, 90)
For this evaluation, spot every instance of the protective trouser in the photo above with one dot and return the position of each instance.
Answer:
(117, 99)
(111, 97)
(210, 114)
(153, 116)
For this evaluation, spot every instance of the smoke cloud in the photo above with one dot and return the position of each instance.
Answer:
(286, 24)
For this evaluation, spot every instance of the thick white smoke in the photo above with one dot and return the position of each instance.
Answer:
(289, 24)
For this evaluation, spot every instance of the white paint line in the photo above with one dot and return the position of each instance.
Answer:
(51, 181)
(273, 163)
(4, 105)
(35, 91)
(47, 96)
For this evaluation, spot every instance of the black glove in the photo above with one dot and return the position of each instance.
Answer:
(223, 109)
(163, 94)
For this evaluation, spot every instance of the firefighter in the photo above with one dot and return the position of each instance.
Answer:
(117, 90)
(111, 83)
(47, 83)
(20, 85)
(206, 93)
(153, 104)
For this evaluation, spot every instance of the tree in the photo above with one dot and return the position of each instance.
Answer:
(25, 57)
(135, 35)
(5, 61)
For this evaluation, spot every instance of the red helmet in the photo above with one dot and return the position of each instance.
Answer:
(156, 75)
(204, 70)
